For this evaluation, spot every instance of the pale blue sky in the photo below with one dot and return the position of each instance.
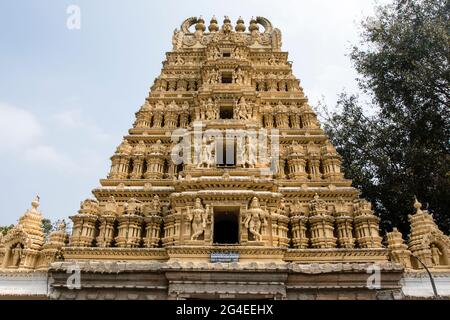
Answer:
(68, 96)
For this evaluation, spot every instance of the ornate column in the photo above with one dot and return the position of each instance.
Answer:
(280, 222)
(108, 215)
(366, 225)
(295, 117)
(84, 229)
(299, 218)
(314, 161)
(322, 229)
(138, 157)
(331, 161)
(281, 116)
(144, 117)
(184, 116)
(130, 225)
(155, 161)
(158, 114)
(121, 161)
(152, 219)
(309, 118)
(171, 228)
(297, 162)
(171, 116)
(344, 225)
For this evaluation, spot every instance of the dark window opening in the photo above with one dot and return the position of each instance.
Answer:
(226, 112)
(227, 77)
(226, 152)
(226, 226)
(226, 54)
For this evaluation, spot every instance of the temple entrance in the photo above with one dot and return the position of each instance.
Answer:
(226, 226)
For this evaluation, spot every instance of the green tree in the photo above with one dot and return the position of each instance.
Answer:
(46, 226)
(403, 148)
(4, 230)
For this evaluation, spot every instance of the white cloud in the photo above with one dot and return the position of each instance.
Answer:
(48, 156)
(74, 119)
(24, 138)
(18, 128)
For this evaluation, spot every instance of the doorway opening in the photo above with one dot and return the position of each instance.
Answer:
(226, 225)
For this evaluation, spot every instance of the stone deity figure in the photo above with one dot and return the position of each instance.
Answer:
(17, 255)
(207, 153)
(213, 77)
(156, 204)
(239, 76)
(249, 153)
(243, 110)
(198, 217)
(435, 255)
(255, 218)
(210, 110)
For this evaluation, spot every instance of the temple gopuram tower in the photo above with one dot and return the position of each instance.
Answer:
(226, 186)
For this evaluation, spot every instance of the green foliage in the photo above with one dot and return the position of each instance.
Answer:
(47, 226)
(4, 230)
(403, 149)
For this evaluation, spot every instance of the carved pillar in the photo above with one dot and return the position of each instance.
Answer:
(84, 230)
(143, 119)
(366, 226)
(129, 235)
(184, 119)
(155, 161)
(309, 119)
(170, 233)
(322, 225)
(280, 222)
(295, 120)
(170, 120)
(297, 162)
(114, 173)
(152, 219)
(299, 238)
(344, 225)
(157, 119)
(105, 237)
(314, 168)
(152, 231)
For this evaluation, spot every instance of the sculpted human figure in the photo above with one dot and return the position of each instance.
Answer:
(156, 204)
(243, 110)
(17, 255)
(255, 219)
(203, 154)
(213, 77)
(198, 217)
(249, 153)
(239, 76)
(210, 110)
(435, 254)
